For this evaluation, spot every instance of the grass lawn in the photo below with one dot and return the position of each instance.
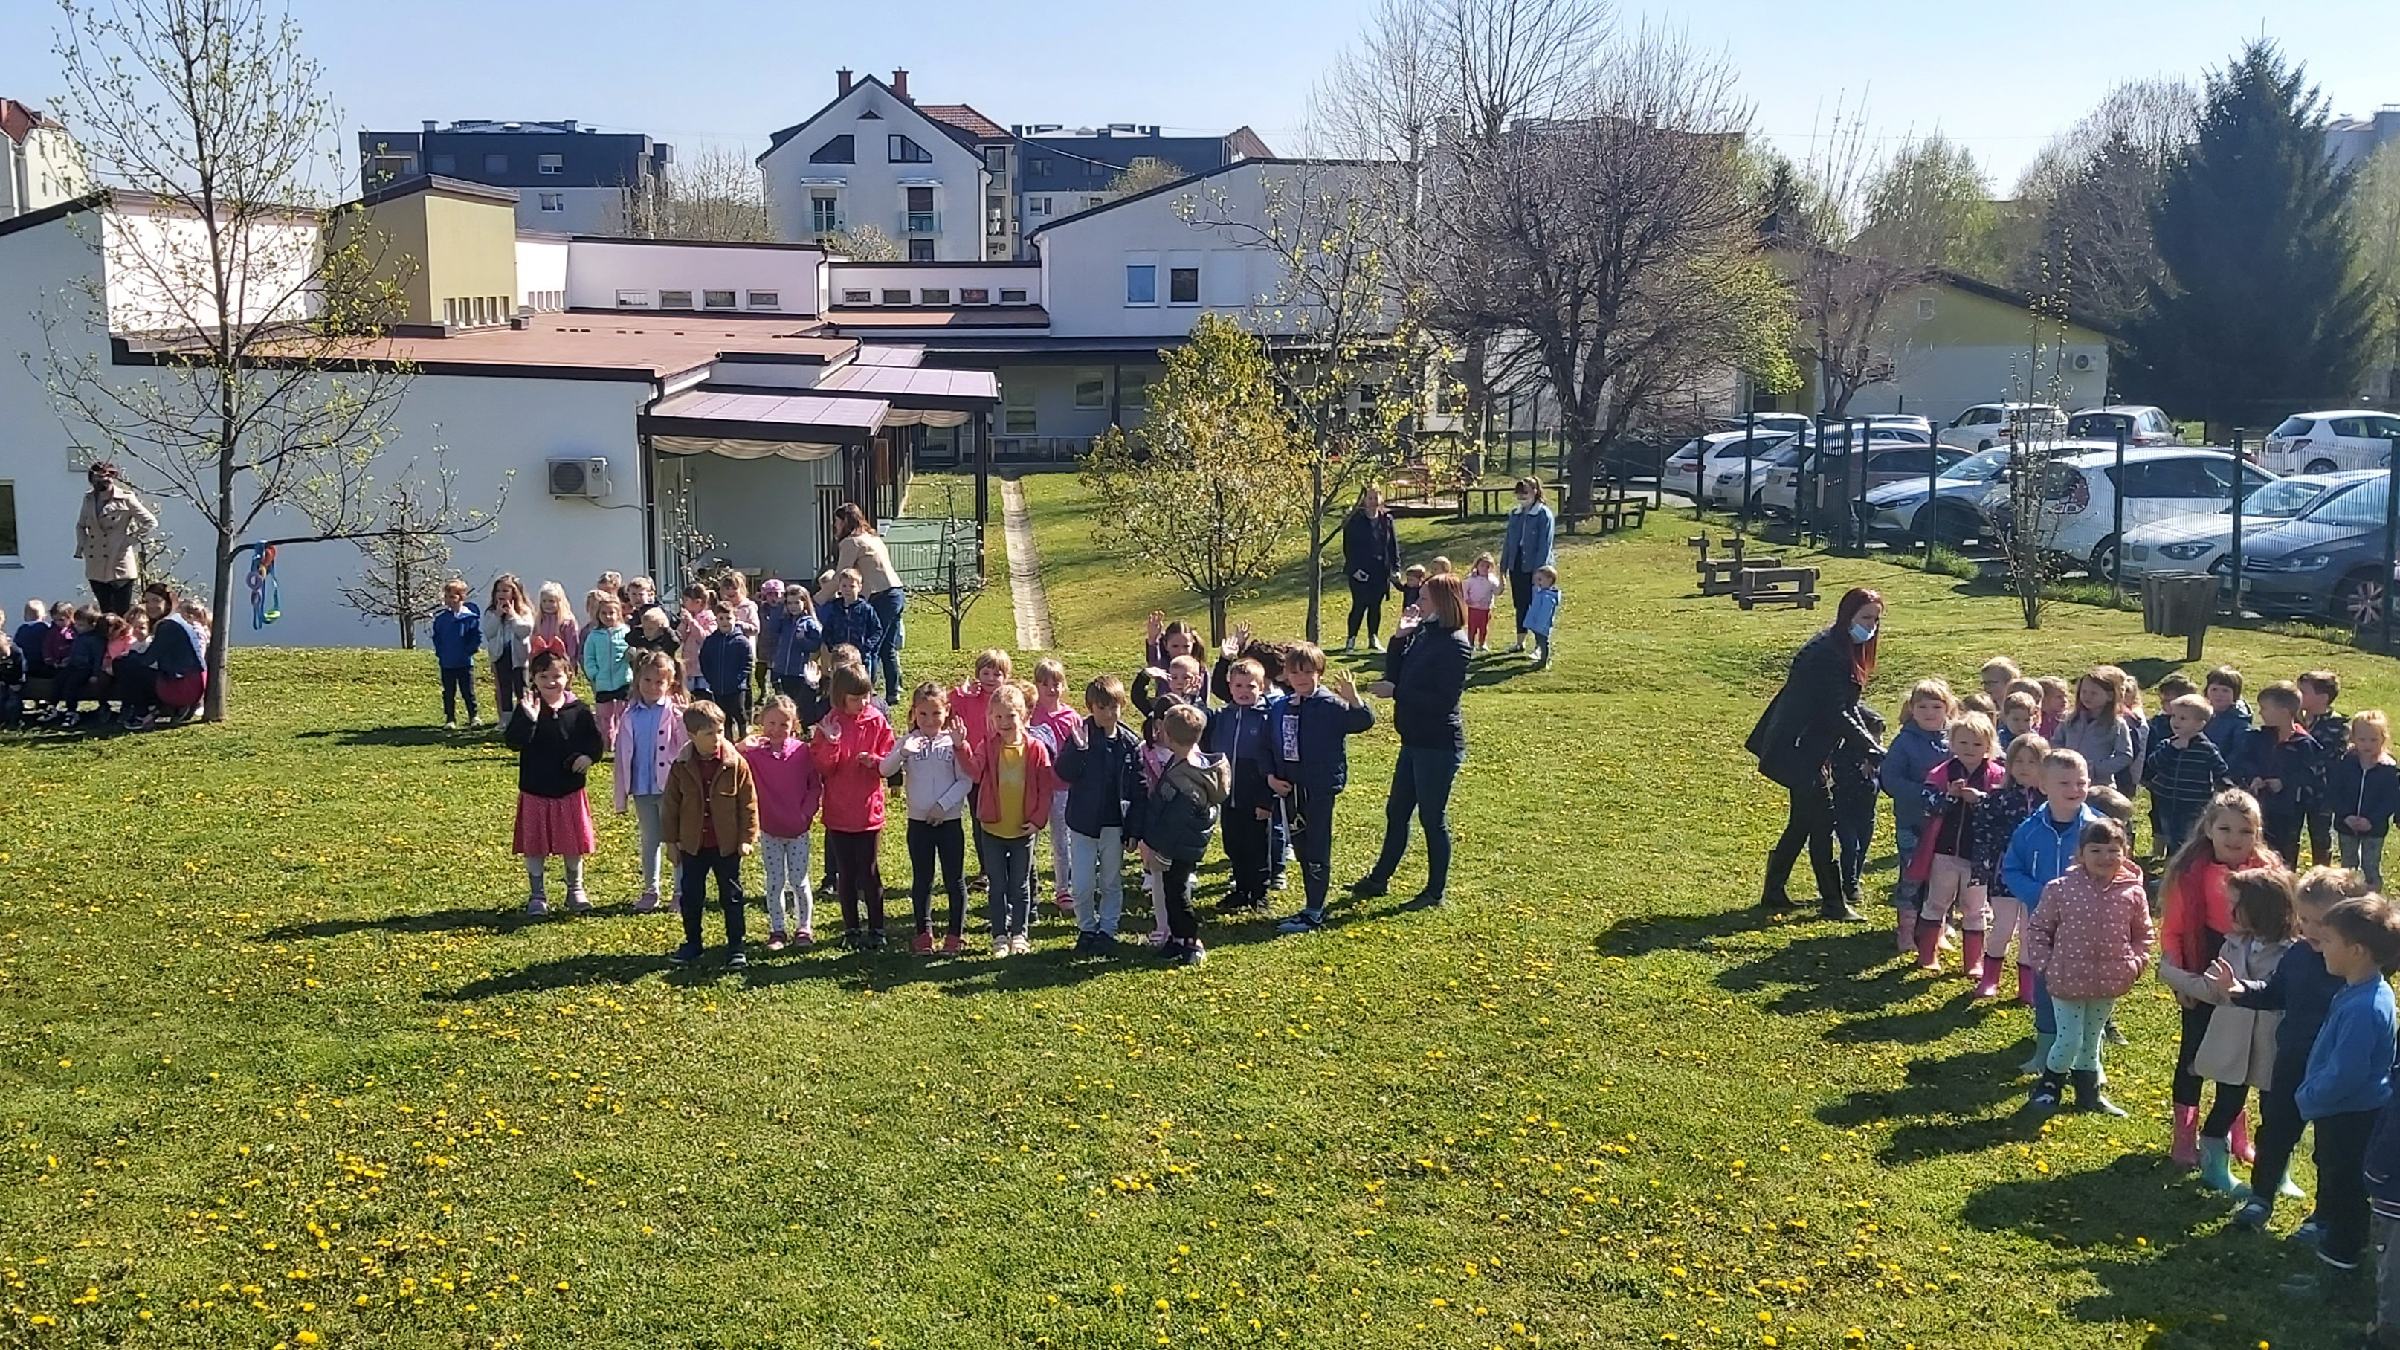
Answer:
(284, 1062)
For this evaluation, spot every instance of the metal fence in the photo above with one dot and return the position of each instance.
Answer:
(934, 553)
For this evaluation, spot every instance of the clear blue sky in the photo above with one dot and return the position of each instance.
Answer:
(2000, 78)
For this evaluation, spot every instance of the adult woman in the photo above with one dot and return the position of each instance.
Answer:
(1425, 673)
(1528, 545)
(1814, 713)
(1371, 559)
(172, 674)
(108, 535)
(858, 547)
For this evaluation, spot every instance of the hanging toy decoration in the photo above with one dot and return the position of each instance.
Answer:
(266, 598)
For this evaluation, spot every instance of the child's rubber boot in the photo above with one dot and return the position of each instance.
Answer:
(1929, 945)
(2186, 1150)
(2088, 1097)
(1988, 984)
(2290, 1189)
(2024, 986)
(2240, 1140)
(2216, 1168)
(1970, 955)
(2040, 1060)
(2046, 1092)
(1904, 934)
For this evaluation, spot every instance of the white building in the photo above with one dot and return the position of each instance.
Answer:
(2351, 141)
(40, 164)
(872, 157)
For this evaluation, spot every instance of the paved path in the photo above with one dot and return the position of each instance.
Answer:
(1024, 570)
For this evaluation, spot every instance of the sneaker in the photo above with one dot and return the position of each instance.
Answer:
(774, 942)
(648, 904)
(1238, 902)
(578, 901)
(2253, 1215)
(1368, 887)
(1193, 954)
(1426, 900)
(475, 723)
(1158, 940)
(804, 938)
(1083, 942)
(853, 940)
(537, 906)
(921, 944)
(1350, 646)
(685, 954)
(1104, 944)
(876, 940)
(2112, 1036)
(737, 960)
(451, 725)
(1019, 945)
(1302, 922)
(2309, 1234)
(1000, 946)
(954, 945)
(1065, 902)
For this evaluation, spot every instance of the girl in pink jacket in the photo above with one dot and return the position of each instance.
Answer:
(2090, 938)
(788, 792)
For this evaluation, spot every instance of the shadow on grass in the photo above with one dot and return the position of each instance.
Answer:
(1943, 1107)
(495, 921)
(1846, 970)
(1917, 1025)
(397, 737)
(1643, 934)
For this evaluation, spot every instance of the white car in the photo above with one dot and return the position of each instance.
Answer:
(2079, 492)
(2194, 543)
(2145, 425)
(1988, 424)
(2323, 442)
(1910, 421)
(1693, 468)
(1890, 459)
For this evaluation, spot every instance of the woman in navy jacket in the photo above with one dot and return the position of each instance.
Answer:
(1371, 560)
(1528, 545)
(1814, 712)
(1425, 675)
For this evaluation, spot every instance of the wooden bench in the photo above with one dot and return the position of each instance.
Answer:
(1722, 576)
(1734, 545)
(1761, 585)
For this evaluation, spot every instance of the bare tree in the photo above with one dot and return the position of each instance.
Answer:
(405, 565)
(252, 304)
(714, 194)
(861, 243)
(2088, 196)
(1143, 174)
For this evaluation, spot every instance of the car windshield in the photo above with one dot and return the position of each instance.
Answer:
(2281, 499)
(2292, 426)
(2359, 503)
(1981, 468)
(2100, 425)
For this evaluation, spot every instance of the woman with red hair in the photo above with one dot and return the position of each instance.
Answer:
(1815, 713)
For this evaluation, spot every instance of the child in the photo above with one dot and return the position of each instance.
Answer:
(1480, 590)
(1013, 787)
(1238, 731)
(1164, 641)
(849, 748)
(2229, 717)
(971, 702)
(2349, 1076)
(1052, 721)
(1101, 766)
(1541, 613)
(2238, 1050)
(557, 742)
(12, 683)
(726, 656)
(2173, 687)
(607, 664)
(2040, 852)
(788, 792)
(1915, 749)
(641, 596)
(697, 620)
(1308, 766)
(2331, 731)
(1997, 675)
(1155, 691)
(2137, 729)
(603, 590)
(1412, 586)
(2301, 990)
(2198, 915)
(2183, 770)
(2282, 765)
(32, 640)
(1996, 822)
(82, 671)
(651, 633)
(1980, 702)
(848, 619)
(2362, 793)
(554, 625)
(2020, 715)
(650, 738)
(790, 637)
(1175, 821)
(507, 645)
(62, 635)
(737, 598)
(1852, 768)
(2090, 938)
(1944, 863)
(457, 636)
(2055, 696)
(927, 761)
(711, 804)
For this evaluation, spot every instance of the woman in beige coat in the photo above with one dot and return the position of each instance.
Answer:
(108, 535)
(2238, 1051)
(859, 548)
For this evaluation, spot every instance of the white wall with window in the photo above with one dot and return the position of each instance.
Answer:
(646, 274)
(1055, 401)
(966, 285)
(573, 210)
(882, 163)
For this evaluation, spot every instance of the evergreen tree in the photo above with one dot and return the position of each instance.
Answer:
(2262, 308)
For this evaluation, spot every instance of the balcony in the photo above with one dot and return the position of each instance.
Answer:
(920, 222)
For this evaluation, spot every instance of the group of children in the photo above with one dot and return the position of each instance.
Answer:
(1481, 588)
(1253, 752)
(64, 656)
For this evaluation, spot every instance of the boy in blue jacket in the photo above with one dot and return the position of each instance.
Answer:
(2283, 766)
(457, 636)
(1101, 764)
(1239, 732)
(2349, 1077)
(726, 657)
(2228, 715)
(1921, 744)
(2040, 852)
(1308, 765)
(848, 619)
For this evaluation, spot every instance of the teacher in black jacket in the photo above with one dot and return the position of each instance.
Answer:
(1425, 674)
(1371, 560)
(1814, 712)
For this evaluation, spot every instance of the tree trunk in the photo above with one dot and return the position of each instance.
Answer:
(213, 701)
(1583, 461)
(1218, 604)
(1316, 542)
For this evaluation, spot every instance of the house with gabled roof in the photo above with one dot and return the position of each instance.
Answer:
(872, 157)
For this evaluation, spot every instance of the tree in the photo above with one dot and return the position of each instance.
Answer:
(861, 243)
(1209, 492)
(1143, 174)
(255, 406)
(2262, 306)
(2085, 202)
(404, 565)
(714, 194)
(2376, 206)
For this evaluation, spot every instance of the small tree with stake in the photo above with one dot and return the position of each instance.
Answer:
(406, 565)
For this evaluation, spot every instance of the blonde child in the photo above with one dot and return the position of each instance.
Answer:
(1102, 767)
(2349, 1085)
(692, 627)
(1439, 566)
(2183, 772)
(2137, 729)
(557, 742)
(607, 664)
(1014, 786)
(2362, 793)
(1541, 613)
(927, 760)
(2057, 699)
(1915, 749)
(711, 804)
(1052, 721)
(457, 636)
(2237, 1052)
(2197, 900)
(1944, 864)
(2090, 939)
(737, 596)
(1164, 641)
(650, 738)
(849, 748)
(554, 627)
(971, 702)
(788, 793)
(508, 644)
(1176, 819)
(1996, 820)
(1998, 678)
(1480, 590)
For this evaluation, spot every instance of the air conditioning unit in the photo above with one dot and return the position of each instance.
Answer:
(2083, 360)
(587, 477)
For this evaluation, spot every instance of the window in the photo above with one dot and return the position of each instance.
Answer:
(1016, 410)
(554, 201)
(550, 163)
(389, 168)
(902, 150)
(895, 297)
(1183, 285)
(633, 299)
(974, 295)
(716, 299)
(842, 149)
(825, 213)
(995, 158)
(674, 299)
(1037, 168)
(1133, 389)
(763, 300)
(1037, 206)
(445, 164)
(1091, 390)
(934, 295)
(8, 522)
(870, 115)
(921, 219)
(495, 164)
(1009, 295)
(920, 250)
(858, 297)
(1141, 283)
(450, 312)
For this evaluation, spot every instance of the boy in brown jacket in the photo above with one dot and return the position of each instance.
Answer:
(710, 811)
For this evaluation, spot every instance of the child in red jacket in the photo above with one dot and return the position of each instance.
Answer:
(1013, 783)
(848, 750)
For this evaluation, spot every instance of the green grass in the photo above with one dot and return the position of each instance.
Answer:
(282, 1055)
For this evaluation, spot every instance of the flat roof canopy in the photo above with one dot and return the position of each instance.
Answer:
(958, 390)
(754, 425)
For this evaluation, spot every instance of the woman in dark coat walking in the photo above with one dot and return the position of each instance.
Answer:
(1425, 676)
(1814, 713)
(1371, 560)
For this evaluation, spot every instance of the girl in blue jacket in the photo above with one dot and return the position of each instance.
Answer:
(2349, 1078)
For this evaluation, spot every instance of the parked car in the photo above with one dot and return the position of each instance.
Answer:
(1790, 454)
(2079, 490)
(1988, 424)
(2328, 562)
(1907, 421)
(1838, 484)
(2194, 543)
(1896, 514)
(2322, 442)
(1692, 469)
(2145, 426)
(1779, 422)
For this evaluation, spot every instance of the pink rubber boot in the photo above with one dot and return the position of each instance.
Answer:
(1987, 984)
(2241, 1139)
(2186, 1152)
(1929, 944)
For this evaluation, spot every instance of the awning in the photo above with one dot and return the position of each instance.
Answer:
(918, 397)
(798, 426)
(872, 354)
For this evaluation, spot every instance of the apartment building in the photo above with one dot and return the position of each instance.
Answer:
(873, 158)
(39, 162)
(568, 177)
(1063, 170)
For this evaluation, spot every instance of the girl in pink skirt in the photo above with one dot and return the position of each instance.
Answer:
(557, 740)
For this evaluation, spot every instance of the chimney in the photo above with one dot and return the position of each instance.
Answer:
(900, 86)
(569, 124)
(429, 125)
(842, 81)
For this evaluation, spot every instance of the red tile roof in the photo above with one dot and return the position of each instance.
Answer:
(966, 119)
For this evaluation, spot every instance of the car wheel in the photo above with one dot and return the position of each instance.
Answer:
(2320, 466)
(1758, 506)
(1986, 445)
(2358, 601)
(1955, 525)
(2104, 560)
